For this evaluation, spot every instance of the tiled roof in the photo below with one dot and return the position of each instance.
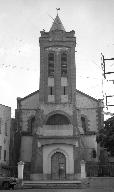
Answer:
(57, 25)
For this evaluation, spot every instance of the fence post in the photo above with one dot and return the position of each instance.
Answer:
(20, 174)
(83, 170)
(20, 170)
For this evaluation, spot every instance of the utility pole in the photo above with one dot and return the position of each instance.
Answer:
(105, 63)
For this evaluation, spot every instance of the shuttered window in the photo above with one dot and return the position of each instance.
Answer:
(84, 126)
(0, 152)
(4, 155)
(63, 64)
(51, 65)
(0, 125)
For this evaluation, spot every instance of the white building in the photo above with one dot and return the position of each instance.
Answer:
(5, 123)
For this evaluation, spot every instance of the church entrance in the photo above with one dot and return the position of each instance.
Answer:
(58, 166)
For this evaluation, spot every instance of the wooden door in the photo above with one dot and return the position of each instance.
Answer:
(58, 166)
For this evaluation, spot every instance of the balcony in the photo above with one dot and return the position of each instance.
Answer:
(56, 130)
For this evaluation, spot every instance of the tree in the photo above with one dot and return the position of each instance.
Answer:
(105, 136)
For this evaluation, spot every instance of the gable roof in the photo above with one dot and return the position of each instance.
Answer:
(31, 94)
(35, 92)
(57, 25)
(86, 95)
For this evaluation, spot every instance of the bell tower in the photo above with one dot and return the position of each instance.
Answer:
(56, 117)
(57, 64)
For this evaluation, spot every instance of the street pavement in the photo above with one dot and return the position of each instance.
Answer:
(63, 190)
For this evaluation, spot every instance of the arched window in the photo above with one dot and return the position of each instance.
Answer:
(58, 119)
(84, 124)
(63, 64)
(50, 64)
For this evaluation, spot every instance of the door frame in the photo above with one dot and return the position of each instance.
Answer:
(61, 166)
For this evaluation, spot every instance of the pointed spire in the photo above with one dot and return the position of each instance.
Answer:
(57, 24)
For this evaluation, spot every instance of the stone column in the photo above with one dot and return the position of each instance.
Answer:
(20, 170)
(83, 171)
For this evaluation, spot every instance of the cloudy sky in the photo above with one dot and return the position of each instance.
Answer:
(20, 24)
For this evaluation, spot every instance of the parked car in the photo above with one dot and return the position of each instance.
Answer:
(7, 182)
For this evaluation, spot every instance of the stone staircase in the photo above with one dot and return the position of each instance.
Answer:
(54, 184)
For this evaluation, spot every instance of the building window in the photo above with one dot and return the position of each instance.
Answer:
(51, 65)
(58, 119)
(0, 125)
(84, 125)
(94, 153)
(63, 64)
(4, 155)
(51, 91)
(31, 124)
(64, 90)
(5, 128)
(0, 152)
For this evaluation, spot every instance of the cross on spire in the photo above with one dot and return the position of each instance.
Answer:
(58, 9)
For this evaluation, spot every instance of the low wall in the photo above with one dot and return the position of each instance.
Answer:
(39, 177)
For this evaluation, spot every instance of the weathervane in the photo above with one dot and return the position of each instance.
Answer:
(58, 9)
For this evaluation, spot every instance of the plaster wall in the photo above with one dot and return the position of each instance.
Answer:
(88, 107)
(51, 98)
(90, 143)
(49, 150)
(25, 116)
(64, 81)
(92, 119)
(67, 108)
(64, 98)
(50, 82)
(31, 102)
(26, 148)
(85, 101)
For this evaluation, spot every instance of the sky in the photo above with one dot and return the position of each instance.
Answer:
(20, 24)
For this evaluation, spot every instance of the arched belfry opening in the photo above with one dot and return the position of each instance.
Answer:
(58, 166)
(58, 119)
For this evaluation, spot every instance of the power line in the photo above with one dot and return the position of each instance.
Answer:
(4, 67)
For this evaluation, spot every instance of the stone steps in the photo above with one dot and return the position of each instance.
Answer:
(53, 184)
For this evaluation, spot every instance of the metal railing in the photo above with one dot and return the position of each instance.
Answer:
(100, 170)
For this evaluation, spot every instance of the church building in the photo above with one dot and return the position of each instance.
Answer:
(57, 123)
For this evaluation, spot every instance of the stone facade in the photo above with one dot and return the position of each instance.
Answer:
(58, 123)
(5, 125)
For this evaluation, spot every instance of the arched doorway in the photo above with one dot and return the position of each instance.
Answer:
(58, 166)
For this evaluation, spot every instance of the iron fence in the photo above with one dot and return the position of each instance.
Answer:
(100, 170)
(10, 171)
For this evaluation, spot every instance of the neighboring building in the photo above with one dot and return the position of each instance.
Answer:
(57, 124)
(13, 133)
(5, 123)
